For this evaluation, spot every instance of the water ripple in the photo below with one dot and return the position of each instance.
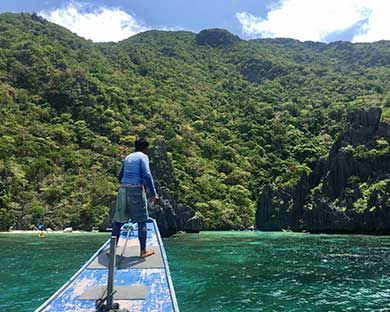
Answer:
(281, 272)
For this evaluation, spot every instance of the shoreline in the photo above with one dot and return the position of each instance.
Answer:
(379, 233)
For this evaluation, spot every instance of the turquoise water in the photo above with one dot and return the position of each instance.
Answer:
(220, 271)
(33, 268)
(252, 271)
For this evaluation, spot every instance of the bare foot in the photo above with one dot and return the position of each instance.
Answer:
(108, 252)
(146, 253)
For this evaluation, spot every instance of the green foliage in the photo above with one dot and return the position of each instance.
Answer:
(235, 115)
(378, 192)
(361, 152)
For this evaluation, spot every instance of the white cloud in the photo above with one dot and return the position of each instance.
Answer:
(377, 26)
(99, 24)
(316, 19)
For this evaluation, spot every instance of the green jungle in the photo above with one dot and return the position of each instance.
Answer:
(235, 115)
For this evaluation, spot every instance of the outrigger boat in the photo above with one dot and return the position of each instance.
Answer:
(122, 281)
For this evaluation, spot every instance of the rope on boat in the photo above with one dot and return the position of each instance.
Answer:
(130, 229)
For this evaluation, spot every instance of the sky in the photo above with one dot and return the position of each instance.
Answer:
(314, 20)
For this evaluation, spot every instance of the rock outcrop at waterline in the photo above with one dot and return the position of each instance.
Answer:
(171, 217)
(349, 192)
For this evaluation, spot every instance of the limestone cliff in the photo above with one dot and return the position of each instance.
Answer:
(349, 192)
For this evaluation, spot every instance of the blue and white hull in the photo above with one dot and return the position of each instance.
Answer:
(143, 284)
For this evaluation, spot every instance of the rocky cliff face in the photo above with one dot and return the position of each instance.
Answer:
(349, 192)
(171, 216)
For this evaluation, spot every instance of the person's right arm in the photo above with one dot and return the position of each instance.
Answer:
(147, 175)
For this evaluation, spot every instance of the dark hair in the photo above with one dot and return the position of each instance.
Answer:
(141, 144)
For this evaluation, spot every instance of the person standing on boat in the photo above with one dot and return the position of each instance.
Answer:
(131, 200)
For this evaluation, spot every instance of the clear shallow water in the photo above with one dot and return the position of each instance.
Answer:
(32, 268)
(253, 271)
(220, 271)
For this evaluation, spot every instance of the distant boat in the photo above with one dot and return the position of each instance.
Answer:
(140, 284)
(287, 230)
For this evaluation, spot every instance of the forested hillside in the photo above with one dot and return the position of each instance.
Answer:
(235, 115)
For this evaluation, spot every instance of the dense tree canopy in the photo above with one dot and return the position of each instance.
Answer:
(235, 115)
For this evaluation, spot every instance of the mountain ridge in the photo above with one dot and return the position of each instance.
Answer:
(234, 118)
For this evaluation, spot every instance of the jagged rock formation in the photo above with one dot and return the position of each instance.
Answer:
(349, 192)
(171, 216)
(194, 224)
(273, 209)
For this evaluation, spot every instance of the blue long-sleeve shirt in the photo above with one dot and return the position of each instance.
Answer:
(135, 169)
